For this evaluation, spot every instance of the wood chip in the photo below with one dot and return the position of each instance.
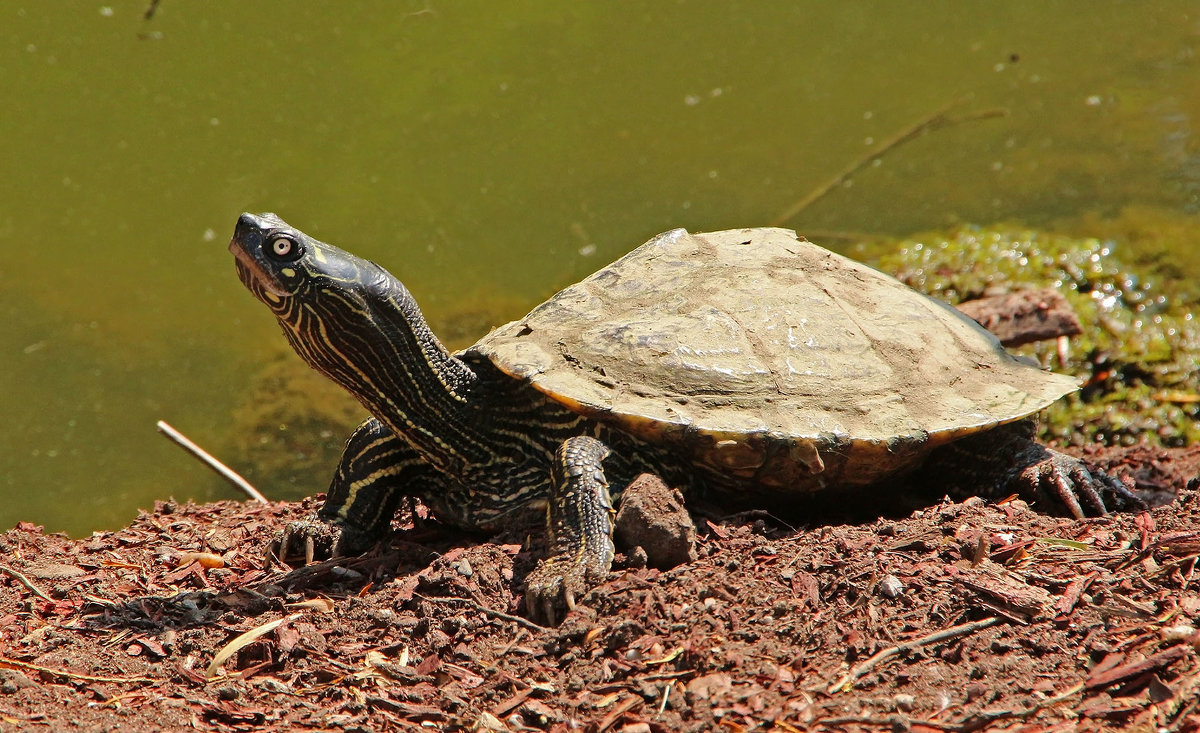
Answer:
(1024, 316)
(1123, 672)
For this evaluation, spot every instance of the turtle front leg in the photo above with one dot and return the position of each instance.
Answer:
(376, 470)
(579, 524)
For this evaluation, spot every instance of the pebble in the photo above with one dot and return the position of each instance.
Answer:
(891, 587)
(653, 517)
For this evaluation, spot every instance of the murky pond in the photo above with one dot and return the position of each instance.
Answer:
(489, 153)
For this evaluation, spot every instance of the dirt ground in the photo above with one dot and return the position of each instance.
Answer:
(958, 616)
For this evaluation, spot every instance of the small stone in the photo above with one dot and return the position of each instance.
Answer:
(653, 517)
(539, 714)
(904, 702)
(891, 587)
(975, 690)
(489, 722)
(1019, 506)
(349, 574)
(1178, 633)
(270, 684)
(636, 558)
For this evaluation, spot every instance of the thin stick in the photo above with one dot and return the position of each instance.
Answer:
(887, 721)
(15, 664)
(945, 634)
(25, 582)
(926, 123)
(666, 696)
(986, 717)
(482, 608)
(204, 457)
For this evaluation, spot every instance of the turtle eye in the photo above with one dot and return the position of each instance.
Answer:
(284, 248)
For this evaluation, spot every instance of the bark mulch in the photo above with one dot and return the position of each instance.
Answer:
(958, 617)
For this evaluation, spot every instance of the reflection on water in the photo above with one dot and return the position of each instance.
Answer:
(491, 153)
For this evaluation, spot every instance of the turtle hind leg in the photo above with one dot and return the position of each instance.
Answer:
(1007, 460)
(579, 525)
(376, 470)
(1083, 491)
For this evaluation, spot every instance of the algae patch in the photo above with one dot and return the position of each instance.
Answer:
(1140, 344)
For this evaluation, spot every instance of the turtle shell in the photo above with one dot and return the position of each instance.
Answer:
(769, 358)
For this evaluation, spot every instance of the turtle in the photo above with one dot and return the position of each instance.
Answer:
(748, 365)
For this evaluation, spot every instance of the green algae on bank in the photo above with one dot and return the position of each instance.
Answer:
(1140, 344)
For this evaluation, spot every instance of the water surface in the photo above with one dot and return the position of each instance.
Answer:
(489, 153)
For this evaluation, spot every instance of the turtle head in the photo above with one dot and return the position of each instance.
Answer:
(350, 320)
(323, 295)
(285, 268)
(278, 262)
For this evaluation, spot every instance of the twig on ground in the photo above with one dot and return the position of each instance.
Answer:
(482, 608)
(972, 723)
(243, 641)
(25, 582)
(621, 708)
(17, 664)
(893, 722)
(985, 718)
(932, 121)
(206, 458)
(666, 696)
(756, 514)
(517, 638)
(856, 672)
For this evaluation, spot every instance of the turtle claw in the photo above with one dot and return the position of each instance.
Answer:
(1067, 482)
(315, 538)
(553, 587)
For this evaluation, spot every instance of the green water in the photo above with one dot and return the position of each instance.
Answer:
(488, 153)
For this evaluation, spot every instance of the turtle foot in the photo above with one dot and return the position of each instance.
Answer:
(1066, 481)
(555, 585)
(310, 539)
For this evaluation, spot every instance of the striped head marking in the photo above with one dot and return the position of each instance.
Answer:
(346, 316)
(350, 320)
(287, 269)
